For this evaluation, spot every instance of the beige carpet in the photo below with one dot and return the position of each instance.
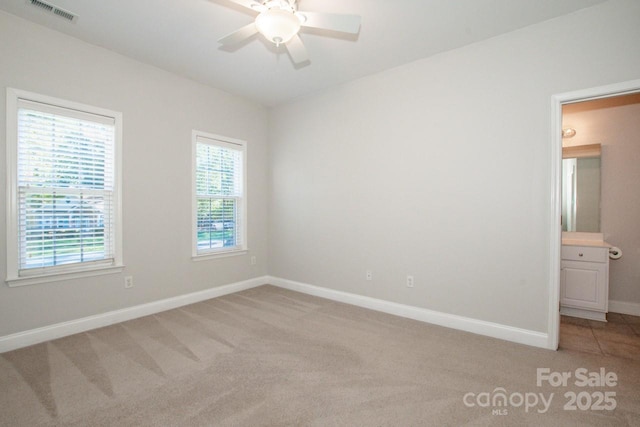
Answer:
(268, 356)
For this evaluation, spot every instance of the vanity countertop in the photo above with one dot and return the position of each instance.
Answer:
(581, 242)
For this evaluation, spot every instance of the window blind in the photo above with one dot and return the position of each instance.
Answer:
(65, 177)
(219, 195)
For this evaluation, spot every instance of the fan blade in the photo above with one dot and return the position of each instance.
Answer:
(297, 51)
(332, 21)
(239, 35)
(251, 4)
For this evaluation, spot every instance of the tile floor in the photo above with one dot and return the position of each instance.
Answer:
(619, 337)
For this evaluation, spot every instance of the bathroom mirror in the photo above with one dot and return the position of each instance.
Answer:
(581, 188)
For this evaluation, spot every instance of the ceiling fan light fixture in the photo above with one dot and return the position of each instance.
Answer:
(277, 25)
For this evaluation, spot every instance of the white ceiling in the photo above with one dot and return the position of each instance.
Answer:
(181, 36)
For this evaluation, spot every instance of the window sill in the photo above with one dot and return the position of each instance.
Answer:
(216, 255)
(56, 277)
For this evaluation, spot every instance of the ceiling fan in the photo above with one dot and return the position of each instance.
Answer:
(279, 21)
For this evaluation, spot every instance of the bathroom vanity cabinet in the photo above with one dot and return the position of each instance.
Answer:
(584, 281)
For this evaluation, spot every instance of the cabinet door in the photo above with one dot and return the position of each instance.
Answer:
(583, 285)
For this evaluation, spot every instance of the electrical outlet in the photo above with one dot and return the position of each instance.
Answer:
(128, 282)
(369, 275)
(254, 260)
(409, 281)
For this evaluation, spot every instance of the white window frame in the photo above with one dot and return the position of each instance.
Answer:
(62, 272)
(220, 141)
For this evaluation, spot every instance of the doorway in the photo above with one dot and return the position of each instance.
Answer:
(558, 101)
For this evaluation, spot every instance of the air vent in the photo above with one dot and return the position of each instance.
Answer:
(41, 5)
(54, 10)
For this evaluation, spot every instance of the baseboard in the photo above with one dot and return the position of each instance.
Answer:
(632, 308)
(494, 330)
(59, 330)
(583, 314)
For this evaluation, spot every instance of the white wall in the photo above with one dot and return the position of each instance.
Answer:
(159, 111)
(440, 169)
(616, 125)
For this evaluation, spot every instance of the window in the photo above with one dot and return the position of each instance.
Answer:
(63, 211)
(218, 195)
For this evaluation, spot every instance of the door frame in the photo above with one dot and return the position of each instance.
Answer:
(557, 101)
